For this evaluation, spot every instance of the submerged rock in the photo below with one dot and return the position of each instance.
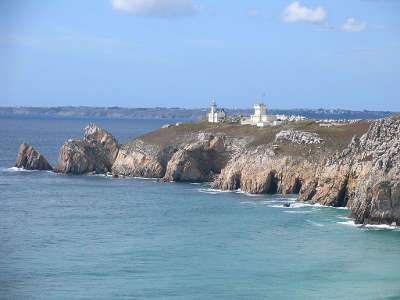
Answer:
(30, 159)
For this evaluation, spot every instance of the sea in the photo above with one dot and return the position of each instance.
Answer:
(96, 237)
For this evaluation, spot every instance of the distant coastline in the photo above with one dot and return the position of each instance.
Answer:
(116, 112)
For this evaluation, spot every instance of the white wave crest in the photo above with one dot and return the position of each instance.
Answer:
(212, 191)
(15, 169)
(370, 226)
(349, 223)
(380, 226)
(315, 223)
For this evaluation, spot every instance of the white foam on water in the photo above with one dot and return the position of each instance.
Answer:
(345, 208)
(380, 226)
(370, 226)
(196, 183)
(15, 169)
(212, 191)
(239, 191)
(298, 211)
(349, 223)
(315, 223)
(143, 178)
(278, 206)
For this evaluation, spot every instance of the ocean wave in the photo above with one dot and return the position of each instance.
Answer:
(239, 191)
(143, 178)
(370, 226)
(349, 223)
(16, 169)
(293, 205)
(211, 191)
(381, 227)
(315, 223)
(298, 211)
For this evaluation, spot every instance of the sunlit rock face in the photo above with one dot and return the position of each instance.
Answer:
(30, 159)
(95, 153)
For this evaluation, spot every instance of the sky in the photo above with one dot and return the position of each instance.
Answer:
(185, 53)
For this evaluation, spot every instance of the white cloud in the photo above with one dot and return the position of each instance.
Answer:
(157, 8)
(297, 13)
(352, 25)
(254, 13)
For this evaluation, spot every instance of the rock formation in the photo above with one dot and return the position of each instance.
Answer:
(299, 137)
(137, 159)
(364, 176)
(197, 162)
(95, 153)
(30, 159)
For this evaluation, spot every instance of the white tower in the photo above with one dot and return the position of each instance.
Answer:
(215, 115)
(213, 107)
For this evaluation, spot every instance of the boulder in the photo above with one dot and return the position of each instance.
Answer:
(30, 159)
(94, 154)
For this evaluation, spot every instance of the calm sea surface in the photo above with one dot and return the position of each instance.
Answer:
(77, 237)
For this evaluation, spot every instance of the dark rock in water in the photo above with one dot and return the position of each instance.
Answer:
(286, 204)
(94, 154)
(30, 159)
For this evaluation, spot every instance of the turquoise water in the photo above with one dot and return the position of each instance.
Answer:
(77, 237)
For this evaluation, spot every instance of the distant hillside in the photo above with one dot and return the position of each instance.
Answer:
(177, 113)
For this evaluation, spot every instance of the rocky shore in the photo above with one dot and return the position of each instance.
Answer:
(355, 166)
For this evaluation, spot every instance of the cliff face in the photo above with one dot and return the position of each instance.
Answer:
(95, 153)
(364, 176)
(198, 161)
(30, 159)
(262, 172)
(377, 196)
(138, 159)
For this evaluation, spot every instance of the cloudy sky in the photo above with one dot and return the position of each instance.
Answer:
(144, 53)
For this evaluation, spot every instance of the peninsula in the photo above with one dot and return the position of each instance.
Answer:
(354, 164)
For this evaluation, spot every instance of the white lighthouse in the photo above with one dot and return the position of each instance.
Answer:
(216, 116)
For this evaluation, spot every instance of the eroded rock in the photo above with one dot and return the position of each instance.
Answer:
(94, 154)
(30, 159)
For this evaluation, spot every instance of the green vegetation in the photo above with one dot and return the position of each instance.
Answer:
(336, 138)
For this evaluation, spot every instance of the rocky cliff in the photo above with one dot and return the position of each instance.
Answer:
(30, 159)
(355, 165)
(365, 176)
(198, 161)
(95, 153)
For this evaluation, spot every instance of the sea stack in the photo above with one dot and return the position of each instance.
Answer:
(94, 154)
(30, 159)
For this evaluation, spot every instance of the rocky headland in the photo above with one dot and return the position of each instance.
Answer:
(355, 165)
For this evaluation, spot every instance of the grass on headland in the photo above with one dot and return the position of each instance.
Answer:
(336, 138)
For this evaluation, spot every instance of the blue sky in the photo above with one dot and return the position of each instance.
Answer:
(145, 53)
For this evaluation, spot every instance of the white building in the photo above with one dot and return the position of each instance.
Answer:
(260, 117)
(216, 116)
